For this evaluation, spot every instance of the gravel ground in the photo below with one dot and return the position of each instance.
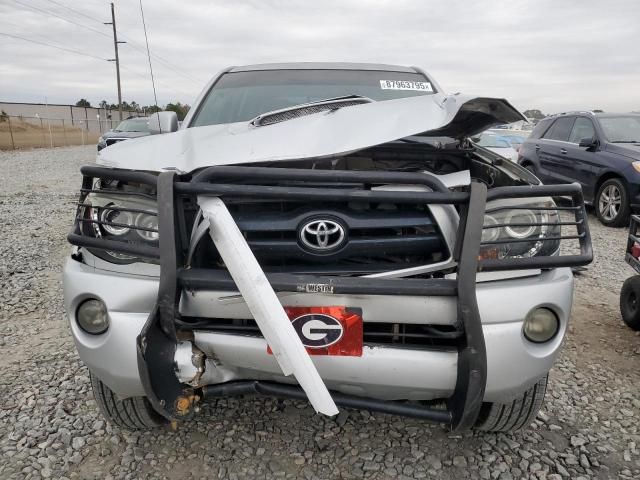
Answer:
(49, 427)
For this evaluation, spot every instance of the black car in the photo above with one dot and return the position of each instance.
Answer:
(132, 127)
(601, 151)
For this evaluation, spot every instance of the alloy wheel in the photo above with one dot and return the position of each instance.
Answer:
(610, 202)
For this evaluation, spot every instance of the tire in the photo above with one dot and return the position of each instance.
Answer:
(630, 302)
(512, 416)
(612, 203)
(134, 413)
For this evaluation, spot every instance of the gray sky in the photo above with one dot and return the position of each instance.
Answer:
(552, 55)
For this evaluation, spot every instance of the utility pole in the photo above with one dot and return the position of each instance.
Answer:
(117, 59)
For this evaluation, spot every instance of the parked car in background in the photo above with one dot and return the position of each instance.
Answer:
(601, 151)
(514, 140)
(132, 127)
(497, 144)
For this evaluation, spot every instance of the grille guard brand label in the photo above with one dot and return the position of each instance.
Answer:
(315, 288)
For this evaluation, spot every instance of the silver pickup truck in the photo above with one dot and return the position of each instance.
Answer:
(324, 232)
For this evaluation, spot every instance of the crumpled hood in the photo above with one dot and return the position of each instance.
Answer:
(320, 135)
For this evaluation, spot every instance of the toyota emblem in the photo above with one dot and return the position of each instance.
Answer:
(322, 235)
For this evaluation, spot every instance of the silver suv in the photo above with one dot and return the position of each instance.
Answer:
(323, 232)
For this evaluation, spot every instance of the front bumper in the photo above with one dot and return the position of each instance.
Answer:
(458, 376)
(513, 363)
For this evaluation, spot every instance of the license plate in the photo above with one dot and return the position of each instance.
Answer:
(335, 331)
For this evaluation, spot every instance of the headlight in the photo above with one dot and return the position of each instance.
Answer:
(100, 140)
(131, 219)
(492, 233)
(522, 223)
(520, 228)
(147, 227)
(114, 220)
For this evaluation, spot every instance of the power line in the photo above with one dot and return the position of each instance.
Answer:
(77, 52)
(77, 12)
(166, 63)
(50, 13)
(170, 87)
(133, 72)
(153, 83)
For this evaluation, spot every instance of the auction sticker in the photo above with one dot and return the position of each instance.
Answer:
(405, 85)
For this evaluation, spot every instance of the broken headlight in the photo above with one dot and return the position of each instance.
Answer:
(520, 228)
(131, 219)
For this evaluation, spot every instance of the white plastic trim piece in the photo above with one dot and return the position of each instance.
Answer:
(264, 304)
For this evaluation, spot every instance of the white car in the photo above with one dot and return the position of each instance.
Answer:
(499, 145)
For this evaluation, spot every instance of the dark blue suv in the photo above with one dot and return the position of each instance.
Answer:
(601, 151)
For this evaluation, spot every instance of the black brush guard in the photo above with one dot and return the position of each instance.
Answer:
(156, 343)
(633, 239)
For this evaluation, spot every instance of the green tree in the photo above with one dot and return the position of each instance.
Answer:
(3, 116)
(83, 102)
(149, 109)
(534, 113)
(180, 109)
(103, 104)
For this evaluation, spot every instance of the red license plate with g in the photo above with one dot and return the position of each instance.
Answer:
(335, 331)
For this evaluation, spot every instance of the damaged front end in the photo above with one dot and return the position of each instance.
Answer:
(402, 249)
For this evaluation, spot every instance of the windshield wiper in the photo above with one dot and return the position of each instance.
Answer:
(626, 141)
(302, 109)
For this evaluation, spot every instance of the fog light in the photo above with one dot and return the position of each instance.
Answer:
(541, 325)
(92, 316)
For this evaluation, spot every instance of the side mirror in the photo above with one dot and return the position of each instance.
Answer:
(588, 142)
(163, 122)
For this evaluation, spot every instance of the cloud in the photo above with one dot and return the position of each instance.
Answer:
(545, 54)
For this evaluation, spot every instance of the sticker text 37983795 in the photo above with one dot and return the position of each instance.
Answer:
(405, 85)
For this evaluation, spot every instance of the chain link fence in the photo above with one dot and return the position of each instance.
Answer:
(41, 132)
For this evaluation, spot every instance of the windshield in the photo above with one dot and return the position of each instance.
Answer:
(491, 141)
(242, 96)
(133, 125)
(622, 129)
